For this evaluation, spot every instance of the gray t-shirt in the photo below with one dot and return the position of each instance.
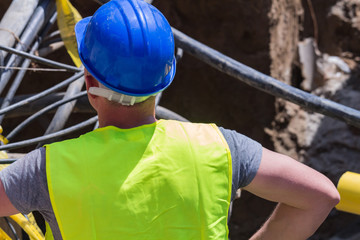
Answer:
(26, 185)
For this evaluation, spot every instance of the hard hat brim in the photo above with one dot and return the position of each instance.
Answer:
(80, 28)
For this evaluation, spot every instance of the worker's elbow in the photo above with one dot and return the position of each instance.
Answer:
(326, 196)
(334, 197)
(331, 197)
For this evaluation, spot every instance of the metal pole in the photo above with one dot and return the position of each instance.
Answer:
(19, 77)
(82, 105)
(63, 112)
(38, 19)
(42, 60)
(15, 20)
(16, 83)
(266, 83)
(2, 62)
(41, 94)
(165, 113)
(26, 122)
(50, 136)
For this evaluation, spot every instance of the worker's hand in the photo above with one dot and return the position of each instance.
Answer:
(305, 197)
(6, 207)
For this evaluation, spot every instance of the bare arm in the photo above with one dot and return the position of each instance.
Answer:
(305, 197)
(6, 207)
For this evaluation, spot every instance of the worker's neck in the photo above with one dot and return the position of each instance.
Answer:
(127, 117)
(126, 121)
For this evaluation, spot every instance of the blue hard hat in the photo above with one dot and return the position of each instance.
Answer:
(128, 46)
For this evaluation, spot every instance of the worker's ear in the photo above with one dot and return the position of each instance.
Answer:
(90, 81)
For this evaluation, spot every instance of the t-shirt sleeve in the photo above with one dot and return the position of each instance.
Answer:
(25, 182)
(246, 157)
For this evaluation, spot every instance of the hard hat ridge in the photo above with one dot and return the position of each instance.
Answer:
(128, 46)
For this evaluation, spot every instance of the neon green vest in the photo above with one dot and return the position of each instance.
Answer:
(166, 180)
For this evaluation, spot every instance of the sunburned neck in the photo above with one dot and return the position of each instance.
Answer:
(127, 117)
(125, 122)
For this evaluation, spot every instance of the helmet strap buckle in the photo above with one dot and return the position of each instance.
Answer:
(112, 96)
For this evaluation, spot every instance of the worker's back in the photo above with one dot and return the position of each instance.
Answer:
(166, 180)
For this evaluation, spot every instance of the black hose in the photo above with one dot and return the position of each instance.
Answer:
(82, 105)
(20, 75)
(165, 113)
(7, 161)
(42, 60)
(16, 82)
(22, 125)
(49, 136)
(2, 62)
(29, 34)
(265, 83)
(42, 94)
(12, 229)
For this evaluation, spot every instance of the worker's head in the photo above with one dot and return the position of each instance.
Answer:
(128, 46)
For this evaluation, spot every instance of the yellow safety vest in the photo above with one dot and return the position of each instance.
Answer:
(166, 180)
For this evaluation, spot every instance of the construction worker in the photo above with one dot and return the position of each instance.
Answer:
(137, 177)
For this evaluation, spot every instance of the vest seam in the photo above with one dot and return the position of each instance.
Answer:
(51, 193)
(195, 165)
(229, 171)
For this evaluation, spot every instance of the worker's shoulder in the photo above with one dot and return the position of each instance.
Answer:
(206, 132)
(189, 126)
(186, 124)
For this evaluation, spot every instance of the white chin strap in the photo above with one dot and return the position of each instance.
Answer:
(116, 97)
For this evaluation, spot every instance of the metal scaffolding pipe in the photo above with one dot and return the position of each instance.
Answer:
(16, 83)
(42, 94)
(36, 22)
(20, 75)
(8, 161)
(14, 21)
(82, 105)
(2, 63)
(42, 60)
(264, 82)
(63, 112)
(165, 113)
(50, 136)
(27, 121)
